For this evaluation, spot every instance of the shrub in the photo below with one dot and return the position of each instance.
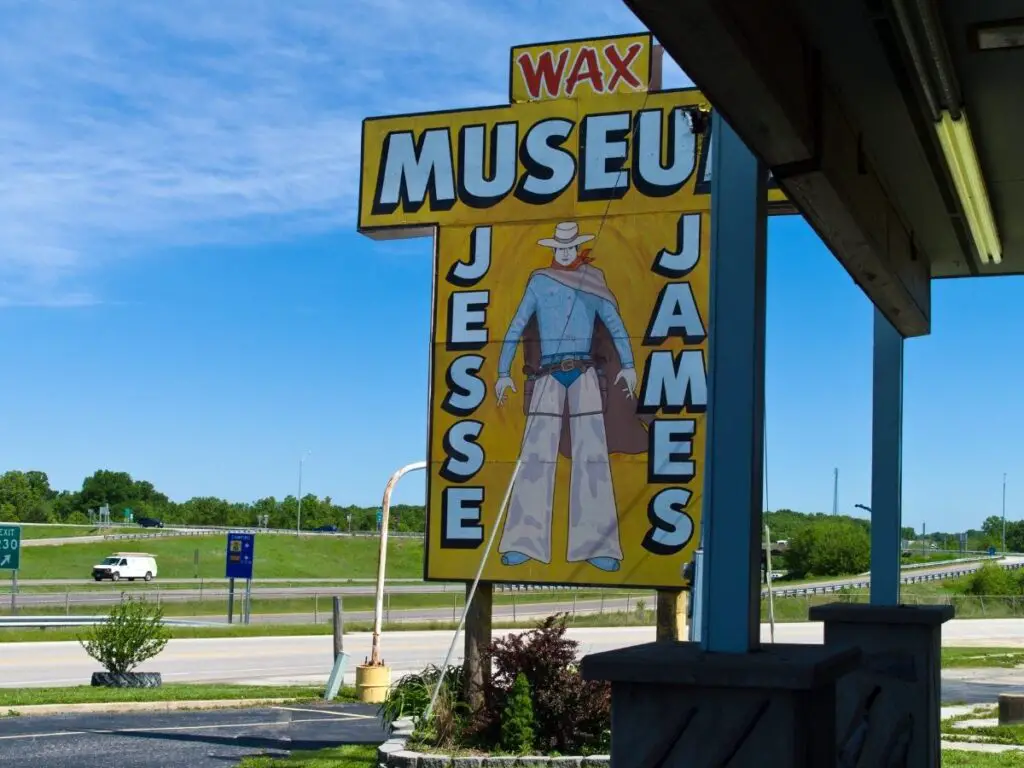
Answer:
(133, 633)
(992, 580)
(410, 696)
(517, 718)
(571, 715)
(829, 547)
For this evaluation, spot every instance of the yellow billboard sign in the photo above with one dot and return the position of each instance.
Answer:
(570, 315)
(575, 351)
(574, 69)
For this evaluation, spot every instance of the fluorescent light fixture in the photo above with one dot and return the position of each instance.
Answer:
(958, 147)
(995, 37)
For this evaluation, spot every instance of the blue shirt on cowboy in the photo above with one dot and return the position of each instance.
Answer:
(565, 317)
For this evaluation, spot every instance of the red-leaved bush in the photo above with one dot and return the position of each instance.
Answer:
(572, 715)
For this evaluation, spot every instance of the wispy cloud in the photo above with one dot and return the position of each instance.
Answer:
(126, 126)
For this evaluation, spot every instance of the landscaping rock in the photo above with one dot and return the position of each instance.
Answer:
(127, 680)
(388, 747)
(404, 758)
(393, 754)
(434, 761)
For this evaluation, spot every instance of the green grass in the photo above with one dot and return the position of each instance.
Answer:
(277, 556)
(217, 605)
(971, 658)
(212, 584)
(954, 758)
(353, 756)
(87, 694)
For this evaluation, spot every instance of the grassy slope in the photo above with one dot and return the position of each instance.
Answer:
(277, 556)
(216, 604)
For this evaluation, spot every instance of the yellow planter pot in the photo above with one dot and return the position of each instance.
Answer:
(372, 683)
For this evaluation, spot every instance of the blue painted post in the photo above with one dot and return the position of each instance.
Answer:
(733, 497)
(886, 463)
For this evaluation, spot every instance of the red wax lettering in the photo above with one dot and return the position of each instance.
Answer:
(587, 58)
(542, 74)
(622, 65)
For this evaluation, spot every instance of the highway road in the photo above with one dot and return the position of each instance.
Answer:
(307, 659)
(216, 589)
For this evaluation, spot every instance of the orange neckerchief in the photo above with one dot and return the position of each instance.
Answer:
(583, 257)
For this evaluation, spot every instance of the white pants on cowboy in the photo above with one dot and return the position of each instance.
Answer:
(593, 521)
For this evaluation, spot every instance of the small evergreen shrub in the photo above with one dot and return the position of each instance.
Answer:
(517, 718)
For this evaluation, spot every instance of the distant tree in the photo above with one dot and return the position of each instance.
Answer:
(829, 547)
(106, 487)
(24, 497)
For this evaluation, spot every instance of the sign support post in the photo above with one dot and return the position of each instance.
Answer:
(231, 601)
(339, 627)
(248, 600)
(10, 558)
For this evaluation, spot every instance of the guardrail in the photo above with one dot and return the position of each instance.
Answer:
(831, 587)
(43, 622)
(951, 561)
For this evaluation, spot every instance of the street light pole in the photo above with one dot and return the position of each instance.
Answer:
(835, 491)
(298, 518)
(1004, 513)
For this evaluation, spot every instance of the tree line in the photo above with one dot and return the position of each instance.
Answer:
(27, 497)
(819, 543)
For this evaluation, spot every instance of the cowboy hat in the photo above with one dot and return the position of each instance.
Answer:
(567, 235)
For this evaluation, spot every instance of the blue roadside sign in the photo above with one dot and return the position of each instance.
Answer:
(240, 554)
(380, 516)
(991, 551)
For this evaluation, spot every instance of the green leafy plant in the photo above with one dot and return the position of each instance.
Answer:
(517, 718)
(991, 580)
(829, 547)
(133, 633)
(572, 716)
(410, 697)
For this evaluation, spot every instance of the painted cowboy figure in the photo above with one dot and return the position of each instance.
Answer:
(573, 340)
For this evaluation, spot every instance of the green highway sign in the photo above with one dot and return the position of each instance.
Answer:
(10, 547)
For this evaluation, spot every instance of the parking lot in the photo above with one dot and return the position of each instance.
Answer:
(196, 739)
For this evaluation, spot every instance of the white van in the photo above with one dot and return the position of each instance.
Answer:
(126, 565)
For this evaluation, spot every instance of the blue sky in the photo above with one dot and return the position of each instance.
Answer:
(183, 295)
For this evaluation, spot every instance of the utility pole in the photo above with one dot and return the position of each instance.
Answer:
(835, 491)
(1004, 513)
(298, 518)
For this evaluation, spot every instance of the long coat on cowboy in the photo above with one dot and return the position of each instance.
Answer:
(574, 343)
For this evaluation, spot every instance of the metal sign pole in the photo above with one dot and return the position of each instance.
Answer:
(14, 592)
(248, 599)
(231, 601)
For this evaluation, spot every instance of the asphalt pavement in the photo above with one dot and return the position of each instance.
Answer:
(308, 659)
(210, 739)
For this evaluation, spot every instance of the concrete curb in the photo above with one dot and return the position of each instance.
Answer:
(138, 706)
